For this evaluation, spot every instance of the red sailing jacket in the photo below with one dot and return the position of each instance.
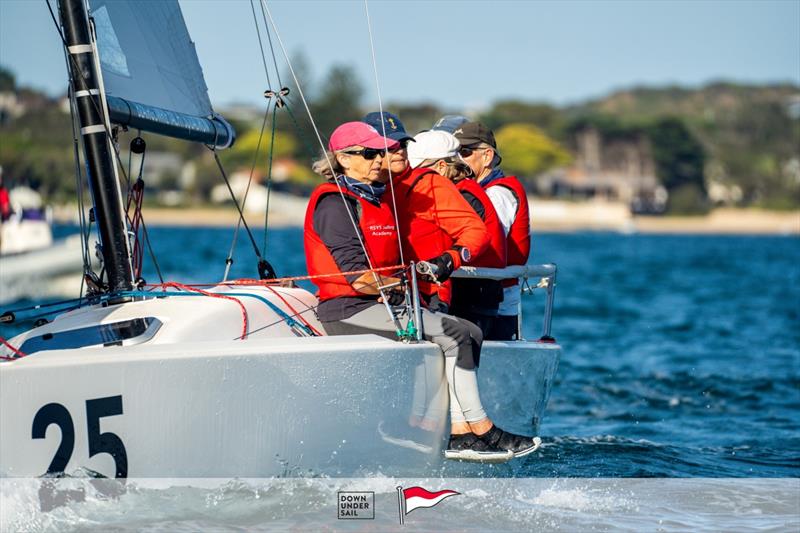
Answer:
(434, 218)
(495, 254)
(380, 239)
(518, 240)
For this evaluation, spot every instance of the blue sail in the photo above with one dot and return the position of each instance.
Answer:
(151, 74)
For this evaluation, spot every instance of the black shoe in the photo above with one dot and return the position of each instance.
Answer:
(516, 444)
(413, 438)
(470, 447)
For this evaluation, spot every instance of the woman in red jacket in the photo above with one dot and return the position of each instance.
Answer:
(476, 300)
(350, 227)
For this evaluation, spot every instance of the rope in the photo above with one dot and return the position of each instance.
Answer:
(180, 286)
(296, 313)
(13, 349)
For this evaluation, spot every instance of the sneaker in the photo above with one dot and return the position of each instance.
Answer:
(406, 436)
(516, 444)
(470, 447)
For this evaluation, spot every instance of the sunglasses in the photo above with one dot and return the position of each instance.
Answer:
(466, 151)
(368, 153)
(401, 146)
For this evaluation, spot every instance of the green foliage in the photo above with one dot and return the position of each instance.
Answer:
(7, 80)
(543, 116)
(679, 157)
(527, 151)
(688, 199)
(339, 100)
(244, 152)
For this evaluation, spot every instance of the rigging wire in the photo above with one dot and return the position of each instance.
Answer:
(229, 258)
(236, 203)
(350, 215)
(261, 44)
(269, 94)
(109, 136)
(269, 174)
(271, 48)
(383, 127)
(318, 135)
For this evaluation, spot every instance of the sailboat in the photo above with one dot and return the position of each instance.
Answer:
(231, 379)
(32, 264)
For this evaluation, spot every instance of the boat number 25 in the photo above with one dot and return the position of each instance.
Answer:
(110, 443)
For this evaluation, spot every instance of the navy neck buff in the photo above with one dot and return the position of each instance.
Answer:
(370, 192)
(495, 175)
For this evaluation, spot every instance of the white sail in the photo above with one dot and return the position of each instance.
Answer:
(147, 56)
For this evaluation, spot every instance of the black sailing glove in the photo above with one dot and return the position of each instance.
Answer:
(396, 298)
(443, 266)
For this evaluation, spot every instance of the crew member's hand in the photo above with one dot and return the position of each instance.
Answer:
(394, 297)
(444, 266)
(368, 283)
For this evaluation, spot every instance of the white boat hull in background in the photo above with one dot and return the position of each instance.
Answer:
(54, 270)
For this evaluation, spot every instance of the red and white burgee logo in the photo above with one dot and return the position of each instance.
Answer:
(416, 497)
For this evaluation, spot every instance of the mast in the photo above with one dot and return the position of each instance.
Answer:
(106, 195)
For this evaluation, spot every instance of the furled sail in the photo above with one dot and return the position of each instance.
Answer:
(152, 77)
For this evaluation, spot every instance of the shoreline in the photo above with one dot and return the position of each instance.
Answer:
(547, 216)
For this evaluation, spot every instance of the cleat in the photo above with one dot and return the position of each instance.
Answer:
(470, 447)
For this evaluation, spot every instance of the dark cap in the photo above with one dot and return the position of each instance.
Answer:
(388, 122)
(470, 133)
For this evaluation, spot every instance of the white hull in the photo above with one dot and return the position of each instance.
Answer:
(176, 401)
(262, 408)
(51, 271)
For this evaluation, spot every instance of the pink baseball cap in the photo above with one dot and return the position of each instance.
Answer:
(358, 134)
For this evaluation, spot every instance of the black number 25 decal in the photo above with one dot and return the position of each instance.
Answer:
(110, 443)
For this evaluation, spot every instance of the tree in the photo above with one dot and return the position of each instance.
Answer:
(7, 81)
(244, 151)
(680, 160)
(527, 151)
(543, 116)
(339, 99)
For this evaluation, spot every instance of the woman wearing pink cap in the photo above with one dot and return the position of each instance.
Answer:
(350, 227)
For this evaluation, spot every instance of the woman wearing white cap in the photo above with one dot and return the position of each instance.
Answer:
(476, 300)
(347, 229)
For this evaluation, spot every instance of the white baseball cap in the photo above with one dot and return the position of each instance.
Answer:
(434, 144)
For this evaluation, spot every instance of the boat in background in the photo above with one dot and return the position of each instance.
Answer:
(234, 378)
(32, 264)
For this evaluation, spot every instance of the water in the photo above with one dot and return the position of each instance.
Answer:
(681, 360)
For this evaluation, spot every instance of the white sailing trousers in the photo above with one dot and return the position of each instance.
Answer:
(459, 340)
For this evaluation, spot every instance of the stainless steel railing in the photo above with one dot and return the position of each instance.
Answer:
(547, 280)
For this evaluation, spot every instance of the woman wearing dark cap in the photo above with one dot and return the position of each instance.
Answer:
(350, 227)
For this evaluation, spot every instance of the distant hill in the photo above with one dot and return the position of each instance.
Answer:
(751, 133)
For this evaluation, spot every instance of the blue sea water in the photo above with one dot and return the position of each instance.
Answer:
(681, 360)
(681, 353)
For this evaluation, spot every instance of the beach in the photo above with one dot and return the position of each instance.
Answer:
(546, 216)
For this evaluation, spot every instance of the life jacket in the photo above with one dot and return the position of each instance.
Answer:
(495, 255)
(422, 233)
(380, 239)
(420, 237)
(518, 240)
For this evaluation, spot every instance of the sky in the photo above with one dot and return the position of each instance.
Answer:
(462, 55)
